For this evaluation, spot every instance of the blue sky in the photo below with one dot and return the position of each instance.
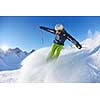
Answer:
(16, 31)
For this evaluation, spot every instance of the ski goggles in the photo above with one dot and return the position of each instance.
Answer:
(58, 31)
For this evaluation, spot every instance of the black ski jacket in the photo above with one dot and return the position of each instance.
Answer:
(60, 38)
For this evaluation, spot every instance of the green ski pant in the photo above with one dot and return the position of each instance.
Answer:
(54, 51)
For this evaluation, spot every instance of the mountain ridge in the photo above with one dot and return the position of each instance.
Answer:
(10, 59)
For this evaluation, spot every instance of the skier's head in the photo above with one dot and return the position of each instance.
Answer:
(59, 28)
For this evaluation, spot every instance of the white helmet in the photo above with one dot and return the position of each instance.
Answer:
(59, 27)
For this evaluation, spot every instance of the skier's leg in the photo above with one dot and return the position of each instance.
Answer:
(57, 51)
(52, 50)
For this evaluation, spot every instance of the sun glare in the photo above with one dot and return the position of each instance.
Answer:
(4, 47)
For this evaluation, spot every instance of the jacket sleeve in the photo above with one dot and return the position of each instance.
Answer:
(48, 29)
(74, 41)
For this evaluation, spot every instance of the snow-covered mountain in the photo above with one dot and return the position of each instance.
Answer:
(73, 65)
(10, 59)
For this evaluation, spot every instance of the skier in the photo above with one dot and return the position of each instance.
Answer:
(60, 36)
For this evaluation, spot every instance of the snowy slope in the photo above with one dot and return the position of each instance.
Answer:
(9, 76)
(73, 65)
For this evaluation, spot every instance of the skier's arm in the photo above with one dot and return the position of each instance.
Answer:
(48, 29)
(74, 41)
